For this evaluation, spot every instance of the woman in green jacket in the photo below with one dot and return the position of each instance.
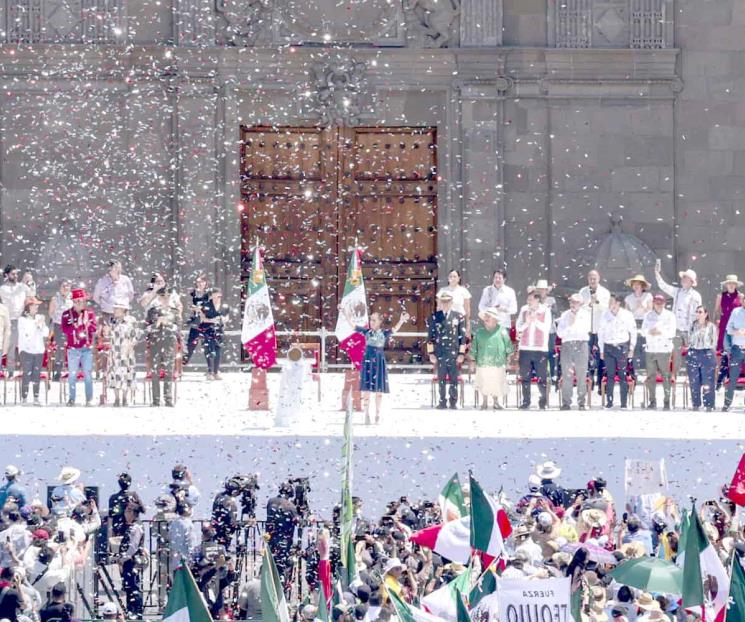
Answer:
(490, 350)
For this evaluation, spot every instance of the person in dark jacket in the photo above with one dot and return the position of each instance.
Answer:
(162, 334)
(548, 472)
(212, 328)
(281, 517)
(446, 346)
(200, 296)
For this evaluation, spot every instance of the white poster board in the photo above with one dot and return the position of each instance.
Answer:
(645, 477)
(544, 600)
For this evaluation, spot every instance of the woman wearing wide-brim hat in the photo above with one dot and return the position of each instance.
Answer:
(639, 302)
(728, 299)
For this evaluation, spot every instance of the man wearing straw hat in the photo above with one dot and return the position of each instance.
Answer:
(639, 302)
(685, 302)
(727, 300)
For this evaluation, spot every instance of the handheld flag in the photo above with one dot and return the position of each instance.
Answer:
(185, 602)
(705, 581)
(257, 333)
(452, 504)
(451, 540)
(273, 602)
(736, 491)
(347, 511)
(736, 612)
(354, 303)
(489, 522)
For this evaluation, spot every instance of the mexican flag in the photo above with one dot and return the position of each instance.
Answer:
(452, 504)
(273, 603)
(443, 601)
(463, 615)
(450, 540)
(409, 613)
(705, 581)
(486, 585)
(348, 561)
(736, 491)
(736, 611)
(354, 302)
(489, 523)
(185, 602)
(257, 334)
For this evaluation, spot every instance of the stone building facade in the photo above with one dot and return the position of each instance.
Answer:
(120, 119)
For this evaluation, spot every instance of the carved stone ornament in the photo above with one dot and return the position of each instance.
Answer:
(337, 93)
(432, 23)
(245, 22)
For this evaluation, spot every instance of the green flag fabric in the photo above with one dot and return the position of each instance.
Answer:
(463, 615)
(185, 602)
(693, 588)
(273, 602)
(349, 571)
(452, 504)
(486, 585)
(736, 611)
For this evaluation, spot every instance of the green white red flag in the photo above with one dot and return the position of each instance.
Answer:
(273, 601)
(449, 540)
(705, 581)
(354, 304)
(490, 525)
(452, 504)
(185, 602)
(348, 562)
(736, 491)
(409, 613)
(257, 333)
(736, 611)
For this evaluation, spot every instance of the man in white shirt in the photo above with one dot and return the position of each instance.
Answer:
(533, 324)
(111, 287)
(573, 328)
(500, 296)
(13, 295)
(685, 302)
(616, 340)
(596, 298)
(658, 328)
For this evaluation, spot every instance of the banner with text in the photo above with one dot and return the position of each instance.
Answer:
(545, 600)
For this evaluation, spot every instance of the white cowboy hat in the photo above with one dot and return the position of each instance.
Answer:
(548, 470)
(490, 312)
(541, 284)
(12, 471)
(109, 609)
(731, 278)
(646, 602)
(633, 550)
(595, 518)
(121, 303)
(392, 564)
(640, 278)
(69, 475)
(691, 274)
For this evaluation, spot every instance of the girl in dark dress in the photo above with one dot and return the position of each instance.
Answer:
(373, 373)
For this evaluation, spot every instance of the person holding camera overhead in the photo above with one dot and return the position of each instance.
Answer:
(281, 517)
(200, 297)
(162, 334)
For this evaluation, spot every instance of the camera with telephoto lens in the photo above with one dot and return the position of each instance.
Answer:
(300, 492)
(247, 485)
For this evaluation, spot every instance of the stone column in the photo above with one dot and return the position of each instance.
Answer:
(480, 23)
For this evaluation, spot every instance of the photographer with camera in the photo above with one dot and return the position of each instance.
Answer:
(225, 512)
(281, 517)
(199, 299)
(182, 488)
(132, 559)
(118, 502)
(214, 571)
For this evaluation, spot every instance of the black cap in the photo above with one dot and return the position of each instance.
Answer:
(59, 589)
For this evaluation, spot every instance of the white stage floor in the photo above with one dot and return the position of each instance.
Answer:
(412, 452)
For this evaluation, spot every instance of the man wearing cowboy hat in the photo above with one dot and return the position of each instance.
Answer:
(533, 326)
(639, 302)
(736, 332)
(658, 328)
(548, 472)
(79, 326)
(573, 328)
(446, 346)
(11, 491)
(596, 298)
(727, 300)
(685, 302)
(69, 494)
(490, 350)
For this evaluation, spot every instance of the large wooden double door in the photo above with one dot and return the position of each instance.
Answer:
(308, 192)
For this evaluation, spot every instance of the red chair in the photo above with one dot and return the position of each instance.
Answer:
(630, 380)
(44, 377)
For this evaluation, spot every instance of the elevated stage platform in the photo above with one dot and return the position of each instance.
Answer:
(411, 452)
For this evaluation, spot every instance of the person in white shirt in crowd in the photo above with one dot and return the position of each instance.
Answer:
(616, 340)
(542, 288)
(658, 328)
(461, 298)
(639, 302)
(596, 298)
(501, 297)
(573, 328)
(13, 294)
(533, 325)
(59, 303)
(182, 487)
(111, 287)
(685, 302)
(69, 494)
(14, 540)
(181, 537)
(32, 342)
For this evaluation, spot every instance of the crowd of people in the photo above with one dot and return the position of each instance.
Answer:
(556, 531)
(80, 329)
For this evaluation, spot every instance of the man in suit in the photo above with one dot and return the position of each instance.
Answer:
(446, 346)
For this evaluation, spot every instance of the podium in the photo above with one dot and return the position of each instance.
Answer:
(351, 384)
(258, 392)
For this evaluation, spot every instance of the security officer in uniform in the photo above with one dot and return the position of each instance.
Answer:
(446, 346)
